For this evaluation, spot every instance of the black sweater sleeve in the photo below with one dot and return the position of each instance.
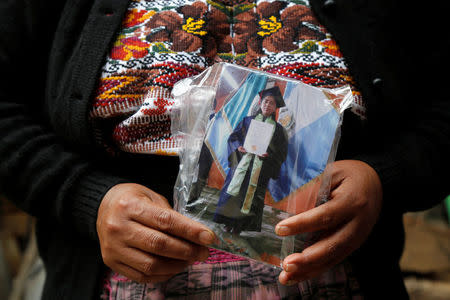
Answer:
(397, 52)
(411, 128)
(39, 172)
(414, 166)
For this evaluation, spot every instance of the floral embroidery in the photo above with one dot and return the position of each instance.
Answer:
(127, 47)
(269, 27)
(268, 30)
(163, 41)
(205, 28)
(331, 47)
(194, 27)
(135, 17)
(197, 29)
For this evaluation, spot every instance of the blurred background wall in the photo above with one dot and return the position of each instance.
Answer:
(426, 259)
(22, 273)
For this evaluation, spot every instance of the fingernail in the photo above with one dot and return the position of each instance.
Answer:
(282, 230)
(206, 237)
(284, 276)
(290, 268)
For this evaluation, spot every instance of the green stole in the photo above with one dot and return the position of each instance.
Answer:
(241, 169)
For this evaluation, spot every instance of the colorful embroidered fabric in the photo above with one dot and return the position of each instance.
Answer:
(164, 41)
(234, 280)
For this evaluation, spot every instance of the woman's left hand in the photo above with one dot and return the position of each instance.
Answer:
(345, 221)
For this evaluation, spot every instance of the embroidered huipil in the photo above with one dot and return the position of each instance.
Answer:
(163, 41)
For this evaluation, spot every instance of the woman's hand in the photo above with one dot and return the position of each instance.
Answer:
(345, 221)
(143, 238)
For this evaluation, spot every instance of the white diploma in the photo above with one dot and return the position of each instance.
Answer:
(258, 137)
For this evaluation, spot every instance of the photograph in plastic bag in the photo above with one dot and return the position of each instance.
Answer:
(266, 140)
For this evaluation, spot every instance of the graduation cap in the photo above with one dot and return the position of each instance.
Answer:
(274, 92)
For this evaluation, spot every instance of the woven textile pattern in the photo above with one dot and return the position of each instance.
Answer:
(164, 41)
(235, 281)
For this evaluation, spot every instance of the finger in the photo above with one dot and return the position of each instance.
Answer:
(173, 223)
(153, 241)
(140, 277)
(151, 264)
(322, 255)
(323, 217)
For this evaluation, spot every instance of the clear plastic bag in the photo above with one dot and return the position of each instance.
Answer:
(252, 141)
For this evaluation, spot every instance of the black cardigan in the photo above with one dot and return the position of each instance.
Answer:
(51, 53)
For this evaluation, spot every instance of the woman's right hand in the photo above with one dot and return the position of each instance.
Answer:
(144, 239)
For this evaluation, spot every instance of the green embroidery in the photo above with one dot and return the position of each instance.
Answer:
(231, 11)
(243, 8)
(230, 56)
(307, 47)
(228, 10)
(160, 48)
